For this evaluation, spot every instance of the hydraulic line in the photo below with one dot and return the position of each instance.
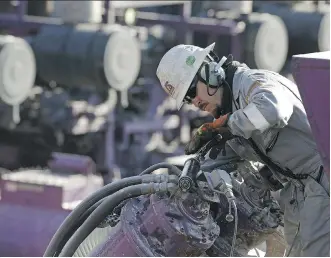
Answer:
(57, 241)
(105, 207)
(171, 167)
(234, 239)
(70, 221)
(78, 223)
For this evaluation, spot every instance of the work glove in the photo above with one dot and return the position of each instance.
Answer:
(207, 132)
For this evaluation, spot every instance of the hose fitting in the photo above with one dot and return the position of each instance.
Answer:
(164, 187)
(161, 178)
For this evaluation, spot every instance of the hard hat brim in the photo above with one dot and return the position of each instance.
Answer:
(186, 85)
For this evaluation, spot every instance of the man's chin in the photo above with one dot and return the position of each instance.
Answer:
(213, 109)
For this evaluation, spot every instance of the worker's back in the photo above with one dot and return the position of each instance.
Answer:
(289, 143)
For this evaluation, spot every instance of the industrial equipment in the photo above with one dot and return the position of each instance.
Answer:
(65, 88)
(198, 211)
(18, 72)
(85, 70)
(308, 28)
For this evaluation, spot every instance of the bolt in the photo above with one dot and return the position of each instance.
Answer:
(229, 217)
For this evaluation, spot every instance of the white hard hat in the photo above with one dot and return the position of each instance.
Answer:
(178, 67)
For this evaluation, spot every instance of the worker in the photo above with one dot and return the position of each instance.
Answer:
(261, 117)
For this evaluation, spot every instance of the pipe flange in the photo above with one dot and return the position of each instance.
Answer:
(122, 60)
(324, 33)
(17, 70)
(267, 42)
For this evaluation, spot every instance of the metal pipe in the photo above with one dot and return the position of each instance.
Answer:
(30, 22)
(106, 6)
(190, 23)
(22, 8)
(139, 4)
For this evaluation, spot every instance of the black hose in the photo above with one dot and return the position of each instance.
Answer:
(70, 221)
(102, 211)
(63, 233)
(78, 223)
(173, 169)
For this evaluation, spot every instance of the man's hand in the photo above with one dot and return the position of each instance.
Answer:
(207, 132)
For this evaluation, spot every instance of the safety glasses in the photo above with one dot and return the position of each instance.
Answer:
(192, 91)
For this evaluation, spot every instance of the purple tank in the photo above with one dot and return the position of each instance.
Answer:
(312, 75)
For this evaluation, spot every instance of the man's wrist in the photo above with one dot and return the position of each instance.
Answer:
(227, 119)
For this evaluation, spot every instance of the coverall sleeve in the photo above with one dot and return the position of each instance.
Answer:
(268, 106)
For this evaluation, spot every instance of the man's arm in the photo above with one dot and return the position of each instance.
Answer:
(268, 106)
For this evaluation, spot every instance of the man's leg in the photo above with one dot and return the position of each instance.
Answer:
(291, 218)
(315, 219)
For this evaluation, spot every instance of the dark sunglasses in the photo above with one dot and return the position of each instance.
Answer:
(192, 91)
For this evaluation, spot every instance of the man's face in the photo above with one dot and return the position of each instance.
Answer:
(205, 102)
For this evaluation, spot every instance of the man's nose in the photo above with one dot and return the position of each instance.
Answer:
(196, 101)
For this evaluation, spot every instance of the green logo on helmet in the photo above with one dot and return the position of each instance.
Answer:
(190, 60)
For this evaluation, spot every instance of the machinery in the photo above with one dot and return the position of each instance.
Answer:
(188, 212)
(82, 92)
(307, 25)
(63, 90)
(178, 216)
(76, 97)
(198, 211)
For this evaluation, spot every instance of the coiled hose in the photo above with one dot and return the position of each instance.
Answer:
(84, 209)
(105, 207)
